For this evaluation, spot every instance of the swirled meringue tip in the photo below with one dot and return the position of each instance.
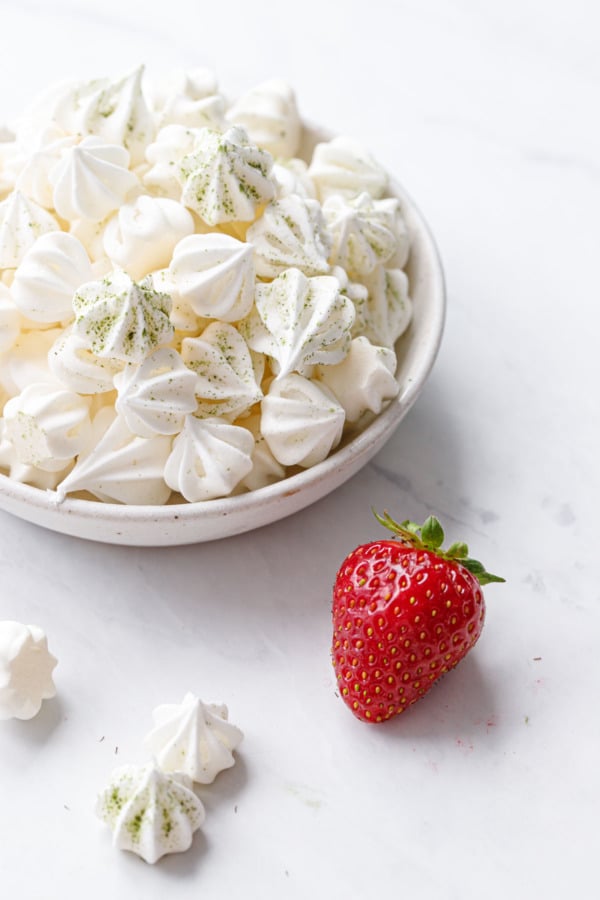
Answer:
(26, 667)
(188, 309)
(150, 812)
(193, 737)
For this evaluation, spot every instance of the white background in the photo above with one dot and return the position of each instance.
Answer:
(488, 112)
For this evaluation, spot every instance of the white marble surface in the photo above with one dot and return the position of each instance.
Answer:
(488, 112)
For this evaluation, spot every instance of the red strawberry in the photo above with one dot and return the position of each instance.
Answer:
(404, 613)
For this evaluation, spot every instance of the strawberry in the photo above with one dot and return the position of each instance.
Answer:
(404, 613)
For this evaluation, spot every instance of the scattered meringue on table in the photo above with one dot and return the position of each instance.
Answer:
(149, 811)
(26, 667)
(193, 737)
(188, 309)
(152, 809)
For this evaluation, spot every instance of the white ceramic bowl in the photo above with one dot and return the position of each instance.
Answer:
(188, 523)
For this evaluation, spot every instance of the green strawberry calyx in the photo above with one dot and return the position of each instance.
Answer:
(430, 536)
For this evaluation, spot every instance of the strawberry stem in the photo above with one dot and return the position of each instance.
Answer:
(430, 536)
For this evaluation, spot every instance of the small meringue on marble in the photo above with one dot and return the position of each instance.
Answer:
(91, 180)
(193, 737)
(114, 110)
(300, 421)
(10, 319)
(150, 812)
(300, 322)
(364, 380)
(121, 318)
(73, 364)
(291, 233)
(49, 274)
(142, 235)
(343, 166)
(22, 222)
(118, 466)
(387, 312)
(214, 274)
(209, 458)
(26, 667)
(226, 379)
(155, 396)
(47, 425)
(269, 115)
(226, 177)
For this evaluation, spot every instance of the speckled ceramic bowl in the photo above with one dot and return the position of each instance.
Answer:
(188, 523)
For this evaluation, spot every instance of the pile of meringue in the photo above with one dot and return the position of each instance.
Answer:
(153, 808)
(187, 308)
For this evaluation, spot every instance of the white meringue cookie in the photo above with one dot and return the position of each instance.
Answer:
(118, 466)
(226, 177)
(150, 812)
(291, 177)
(34, 178)
(155, 396)
(91, 180)
(226, 384)
(115, 111)
(400, 255)
(343, 166)
(363, 232)
(193, 737)
(387, 312)
(74, 365)
(50, 273)
(352, 289)
(265, 468)
(364, 381)
(214, 274)
(300, 322)
(209, 458)
(27, 361)
(26, 667)
(91, 235)
(291, 233)
(10, 319)
(172, 143)
(22, 472)
(300, 421)
(143, 234)
(22, 222)
(183, 318)
(191, 98)
(269, 115)
(121, 318)
(47, 425)
(34, 126)
(12, 160)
